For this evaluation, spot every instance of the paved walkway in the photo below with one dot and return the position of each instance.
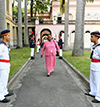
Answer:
(62, 89)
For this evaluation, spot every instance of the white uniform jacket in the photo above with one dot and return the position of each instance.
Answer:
(4, 55)
(96, 55)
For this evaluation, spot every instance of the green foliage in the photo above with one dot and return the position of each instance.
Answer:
(15, 11)
(40, 6)
(89, 0)
(62, 6)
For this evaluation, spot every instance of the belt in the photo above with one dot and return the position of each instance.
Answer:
(5, 61)
(95, 60)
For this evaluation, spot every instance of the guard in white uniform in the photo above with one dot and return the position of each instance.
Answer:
(38, 45)
(95, 68)
(4, 66)
(32, 46)
(60, 46)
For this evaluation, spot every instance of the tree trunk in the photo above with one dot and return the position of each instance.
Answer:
(20, 45)
(78, 49)
(2, 15)
(31, 8)
(66, 25)
(26, 43)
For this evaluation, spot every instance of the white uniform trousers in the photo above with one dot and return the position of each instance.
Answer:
(38, 47)
(32, 52)
(4, 74)
(95, 84)
(60, 54)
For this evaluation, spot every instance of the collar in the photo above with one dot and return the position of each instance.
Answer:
(2, 42)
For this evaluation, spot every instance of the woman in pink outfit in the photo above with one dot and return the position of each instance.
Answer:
(50, 47)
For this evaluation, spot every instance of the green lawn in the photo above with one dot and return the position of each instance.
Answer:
(82, 63)
(18, 58)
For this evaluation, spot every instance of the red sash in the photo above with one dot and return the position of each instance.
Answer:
(95, 60)
(3, 60)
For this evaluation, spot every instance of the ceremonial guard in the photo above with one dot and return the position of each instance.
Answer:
(4, 66)
(60, 46)
(38, 45)
(32, 46)
(95, 68)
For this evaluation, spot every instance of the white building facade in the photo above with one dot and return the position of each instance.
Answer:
(92, 21)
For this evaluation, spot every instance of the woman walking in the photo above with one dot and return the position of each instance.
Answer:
(50, 47)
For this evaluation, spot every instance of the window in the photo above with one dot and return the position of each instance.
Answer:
(88, 16)
(96, 16)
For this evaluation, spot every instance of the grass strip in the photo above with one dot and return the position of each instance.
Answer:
(82, 63)
(18, 58)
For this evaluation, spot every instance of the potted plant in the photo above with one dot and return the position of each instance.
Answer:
(54, 17)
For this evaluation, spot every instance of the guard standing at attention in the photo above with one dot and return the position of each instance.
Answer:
(60, 46)
(32, 46)
(4, 66)
(38, 45)
(95, 68)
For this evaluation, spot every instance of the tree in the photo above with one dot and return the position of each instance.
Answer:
(31, 8)
(26, 43)
(19, 45)
(2, 15)
(15, 11)
(64, 7)
(40, 6)
(78, 49)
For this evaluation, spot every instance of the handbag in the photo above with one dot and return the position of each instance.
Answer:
(57, 54)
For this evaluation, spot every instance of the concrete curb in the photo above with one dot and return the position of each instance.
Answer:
(12, 79)
(78, 73)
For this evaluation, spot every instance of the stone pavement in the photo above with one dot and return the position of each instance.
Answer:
(63, 88)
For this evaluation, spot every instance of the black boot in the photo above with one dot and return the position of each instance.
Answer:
(32, 57)
(60, 57)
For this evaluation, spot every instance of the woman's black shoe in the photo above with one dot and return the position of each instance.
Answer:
(48, 75)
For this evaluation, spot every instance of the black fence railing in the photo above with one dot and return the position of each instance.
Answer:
(41, 21)
(45, 21)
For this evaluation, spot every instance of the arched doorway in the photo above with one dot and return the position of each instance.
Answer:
(44, 34)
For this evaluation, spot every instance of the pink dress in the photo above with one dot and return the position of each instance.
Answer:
(50, 54)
